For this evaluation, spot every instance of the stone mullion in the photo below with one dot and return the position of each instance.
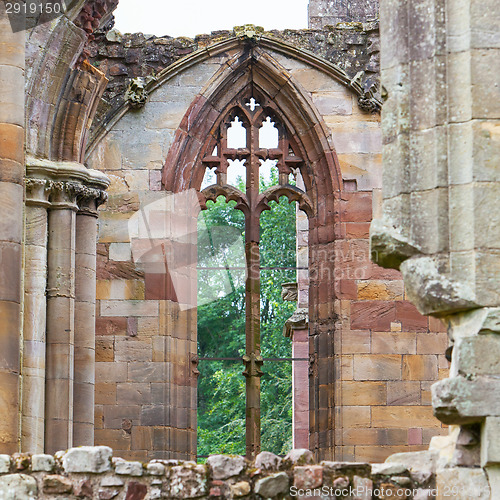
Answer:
(35, 284)
(85, 299)
(12, 51)
(253, 359)
(60, 318)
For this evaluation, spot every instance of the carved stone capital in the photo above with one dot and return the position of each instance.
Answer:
(64, 194)
(38, 191)
(89, 201)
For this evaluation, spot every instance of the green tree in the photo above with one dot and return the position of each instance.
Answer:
(221, 331)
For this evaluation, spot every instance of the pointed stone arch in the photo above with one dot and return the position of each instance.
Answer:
(253, 67)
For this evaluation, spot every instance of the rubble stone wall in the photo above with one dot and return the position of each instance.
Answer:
(92, 473)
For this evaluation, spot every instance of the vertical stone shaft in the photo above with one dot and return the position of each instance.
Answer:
(85, 298)
(252, 357)
(35, 284)
(60, 320)
(11, 228)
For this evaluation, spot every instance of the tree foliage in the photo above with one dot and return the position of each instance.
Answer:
(221, 329)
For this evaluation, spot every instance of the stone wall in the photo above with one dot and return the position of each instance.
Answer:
(380, 354)
(354, 47)
(330, 12)
(93, 473)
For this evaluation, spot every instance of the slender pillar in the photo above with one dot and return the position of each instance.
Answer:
(35, 283)
(11, 228)
(60, 318)
(85, 297)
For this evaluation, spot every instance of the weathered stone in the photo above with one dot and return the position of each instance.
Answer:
(417, 461)
(108, 494)
(18, 487)
(308, 477)
(490, 444)
(224, 466)
(136, 491)
(112, 481)
(54, 484)
(341, 483)
(266, 460)
(188, 481)
(299, 457)
(4, 464)
(463, 483)
(84, 489)
(460, 401)
(123, 467)
(273, 485)
(363, 487)
(45, 463)
(88, 459)
(388, 469)
(155, 469)
(241, 489)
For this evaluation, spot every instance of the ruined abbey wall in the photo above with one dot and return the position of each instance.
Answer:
(374, 360)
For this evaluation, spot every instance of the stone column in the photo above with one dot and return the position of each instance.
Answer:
(60, 318)
(35, 283)
(11, 228)
(85, 297)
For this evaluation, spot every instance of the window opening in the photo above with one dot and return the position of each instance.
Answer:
(236, 134)
(268, 135)
(266, 146)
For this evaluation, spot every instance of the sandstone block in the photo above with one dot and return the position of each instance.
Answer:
(403, 416)
(155, 469)
(54, 484)
(18, 487)
(241, 489)
(459, 401)
(224, 466)
(377, 367)
(125, 468)
(363, 393)
(463, 483)
(388, 469)
(4, 464)
(88, 459)
(478, 355)
(364, 486)
(43, 463)
(420, 367)
(136, 491)
(273, 485)
(266, 460)
(300, 456)
(393, 342)
(308, 477)
(490, 445)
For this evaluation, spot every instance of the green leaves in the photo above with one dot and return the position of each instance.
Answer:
(221, 331)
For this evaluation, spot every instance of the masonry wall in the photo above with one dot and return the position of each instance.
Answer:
(385, 355)
(93, 473)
